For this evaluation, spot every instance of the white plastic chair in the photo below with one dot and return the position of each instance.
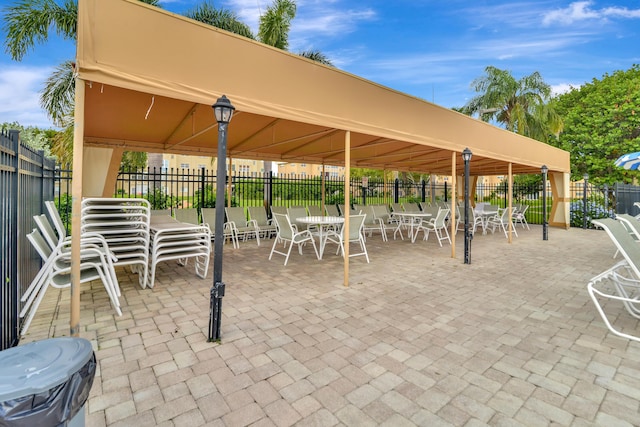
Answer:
(266, 227)
(287, 234)
(501, 221)
(356, 235)
(209, 220)
(438, 225)
(56, 272)
(240, 225)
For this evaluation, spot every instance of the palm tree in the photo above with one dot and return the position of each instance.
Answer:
(520, 105)
(28, 22)
(219, 18)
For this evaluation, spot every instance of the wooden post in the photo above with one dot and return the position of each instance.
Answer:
(454, 202)
(347, 202)
(322, 191)
(76, 193)
(510, 201)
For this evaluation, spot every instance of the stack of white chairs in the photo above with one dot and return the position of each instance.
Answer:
(174, 240)
(124, 224)
(96, 263)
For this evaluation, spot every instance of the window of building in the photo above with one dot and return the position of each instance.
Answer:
(184, 165)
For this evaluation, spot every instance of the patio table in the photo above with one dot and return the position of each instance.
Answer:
(323, 223)
(410, 219)
(172, 239)
(485, 216)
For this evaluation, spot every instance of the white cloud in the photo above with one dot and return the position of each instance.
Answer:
(582, 11)
(559, 89)
(313, 18)
(20, 87)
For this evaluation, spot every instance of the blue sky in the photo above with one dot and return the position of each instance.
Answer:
(432, 49)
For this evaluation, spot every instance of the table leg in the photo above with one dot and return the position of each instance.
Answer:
(323, 241)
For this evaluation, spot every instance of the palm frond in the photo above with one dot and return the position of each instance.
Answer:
(276, 22)
(317, 56)
(28, 23)
(62, 145)
(219, 18)
(57, 97)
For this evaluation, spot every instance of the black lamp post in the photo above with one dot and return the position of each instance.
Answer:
(545, 225)
(223, 111)
(466, 156)
(584, 200)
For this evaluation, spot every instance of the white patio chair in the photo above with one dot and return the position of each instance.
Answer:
(331, 210)
(240, 225)
(411, 207)
(501, 221)
(314, 210)
(438, 225)
(187, 215)
(266, 226)
(56, 272)
(371, 223)
(383, 217)
(295, 212)
(288, 235)
(519, 216)
(356, 235)
(209, 219)
(279, 210)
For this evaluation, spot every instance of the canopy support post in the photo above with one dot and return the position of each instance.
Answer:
(510, 201)
(347, 202)
(76, 191)
(454, 200)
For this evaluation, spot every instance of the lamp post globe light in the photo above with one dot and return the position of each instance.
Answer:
(545, 225)
(585, 177)
(466, 157)
(223, 111)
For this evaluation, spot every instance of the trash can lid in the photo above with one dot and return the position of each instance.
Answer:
(39, 366)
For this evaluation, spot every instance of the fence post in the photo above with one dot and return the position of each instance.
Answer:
(424, 191)
(396, 190)
(445, 192)
(584, 201)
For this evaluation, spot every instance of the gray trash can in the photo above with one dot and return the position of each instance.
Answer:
(46, 383)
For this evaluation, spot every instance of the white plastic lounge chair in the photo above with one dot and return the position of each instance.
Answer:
(620, 283)
(240, 225)
(187, 215)
(124, 224)
(209, 219)
(288, 235)
(266, 227)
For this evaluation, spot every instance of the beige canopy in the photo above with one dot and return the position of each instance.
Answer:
(151, 78)
(146, 80)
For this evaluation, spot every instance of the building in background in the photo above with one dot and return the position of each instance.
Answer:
(302, 170)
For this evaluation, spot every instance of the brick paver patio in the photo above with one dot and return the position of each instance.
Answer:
(418, 338)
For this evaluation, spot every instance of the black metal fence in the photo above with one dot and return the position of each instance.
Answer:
(26, 181)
